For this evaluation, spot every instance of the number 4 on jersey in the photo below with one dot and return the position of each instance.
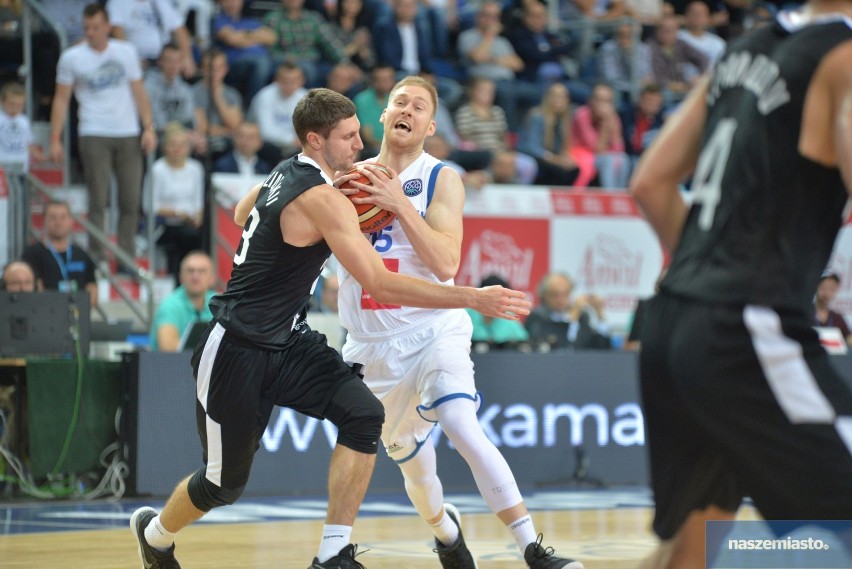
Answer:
(707, 182)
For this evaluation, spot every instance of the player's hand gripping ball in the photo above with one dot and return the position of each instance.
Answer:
(370, 217)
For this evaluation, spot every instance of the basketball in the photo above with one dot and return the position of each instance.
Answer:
(370, 217)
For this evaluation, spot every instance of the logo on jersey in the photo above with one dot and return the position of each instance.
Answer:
(395, 447)
(412, 188)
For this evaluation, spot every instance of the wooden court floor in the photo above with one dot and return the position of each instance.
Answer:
(603, 538)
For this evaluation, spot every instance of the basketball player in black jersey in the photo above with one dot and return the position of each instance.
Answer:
(259, 351)
(740, 399)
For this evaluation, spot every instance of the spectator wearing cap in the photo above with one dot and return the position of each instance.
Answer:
(824, 316)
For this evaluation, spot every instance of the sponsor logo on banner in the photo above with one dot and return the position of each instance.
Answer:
(609, 262)
(515, 249)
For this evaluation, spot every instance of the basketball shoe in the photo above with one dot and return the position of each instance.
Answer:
(151, 558)
(457, 555)
(539, 557)
(343, 560)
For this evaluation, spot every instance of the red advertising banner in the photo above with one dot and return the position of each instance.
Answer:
(518, 250)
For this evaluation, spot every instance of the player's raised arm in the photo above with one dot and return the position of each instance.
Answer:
(839, 70)
(334, 216)
(243, 209)
(669, 160)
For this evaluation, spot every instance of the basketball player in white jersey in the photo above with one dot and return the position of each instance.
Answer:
(416, 361)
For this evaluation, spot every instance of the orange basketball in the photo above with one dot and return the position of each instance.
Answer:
(370, 217)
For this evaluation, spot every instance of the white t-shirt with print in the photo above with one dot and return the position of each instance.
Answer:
(15, 138)
(101, 82)
(274, 114)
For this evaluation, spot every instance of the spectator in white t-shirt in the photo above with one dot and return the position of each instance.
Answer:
(696, 21)
(106, 79)
(177, 186)
(149, 25)
(272, 108)
(16, 143)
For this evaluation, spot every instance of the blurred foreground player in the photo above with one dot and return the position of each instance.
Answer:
(740, 398)
(259, 351)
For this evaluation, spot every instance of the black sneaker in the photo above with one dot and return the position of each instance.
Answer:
(538, 557)
(343, 560)
(151, 558)
(457, 555)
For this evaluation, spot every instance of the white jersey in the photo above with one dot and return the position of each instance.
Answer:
(360, 314)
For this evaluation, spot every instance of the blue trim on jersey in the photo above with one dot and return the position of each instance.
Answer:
(433, 180)
(416, 450)
(423, 408)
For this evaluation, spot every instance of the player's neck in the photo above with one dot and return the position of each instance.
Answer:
(399, 159)
(318, 158)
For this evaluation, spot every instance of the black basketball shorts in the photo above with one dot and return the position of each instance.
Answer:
(238, 385)
(742, 401)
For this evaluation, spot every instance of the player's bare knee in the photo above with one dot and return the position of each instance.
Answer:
(206, 495)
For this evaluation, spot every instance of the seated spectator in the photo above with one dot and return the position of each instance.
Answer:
(177, 186)
(186, 305)
(369, 106)
(597, 129)
(11, 38)
(829, 283)
(345, 78)
(243, 159)
(438, 146)
(226, 114)
(200, 14)
(58, 263)
(483, 124)
(675, 65)
(16, 140)
(352, 24)
(633, 341)
(560, 323)
(403, 43)
(68, 16)
(624, 63)
(487, 54)
(543, 52)
(272, 109)
(150, 25)
(18, 276)
(245, 43)
(547, 138)
(171, 97)
(642, 123)
(696, 22)
(306, 38)
(495, 333)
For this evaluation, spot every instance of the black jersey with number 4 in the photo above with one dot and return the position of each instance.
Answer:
(764, 219)
(271, 281)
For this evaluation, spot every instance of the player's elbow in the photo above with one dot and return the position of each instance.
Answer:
(640, 188)
(447, 270)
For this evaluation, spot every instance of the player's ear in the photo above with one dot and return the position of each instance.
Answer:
(382, 116)
(314, 141)
(433, 126)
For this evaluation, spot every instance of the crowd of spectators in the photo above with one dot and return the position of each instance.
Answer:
(215, 82)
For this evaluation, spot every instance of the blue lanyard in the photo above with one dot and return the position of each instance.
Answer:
(63, 267)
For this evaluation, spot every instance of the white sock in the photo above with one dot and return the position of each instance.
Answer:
(523, 531)
(334, 538)
(157, 536)
(446, 530)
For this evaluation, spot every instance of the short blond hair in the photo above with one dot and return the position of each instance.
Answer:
(417, 81)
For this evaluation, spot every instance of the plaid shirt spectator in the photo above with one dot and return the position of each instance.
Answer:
(307, 37)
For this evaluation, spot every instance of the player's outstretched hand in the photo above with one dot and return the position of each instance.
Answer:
(500, 302)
